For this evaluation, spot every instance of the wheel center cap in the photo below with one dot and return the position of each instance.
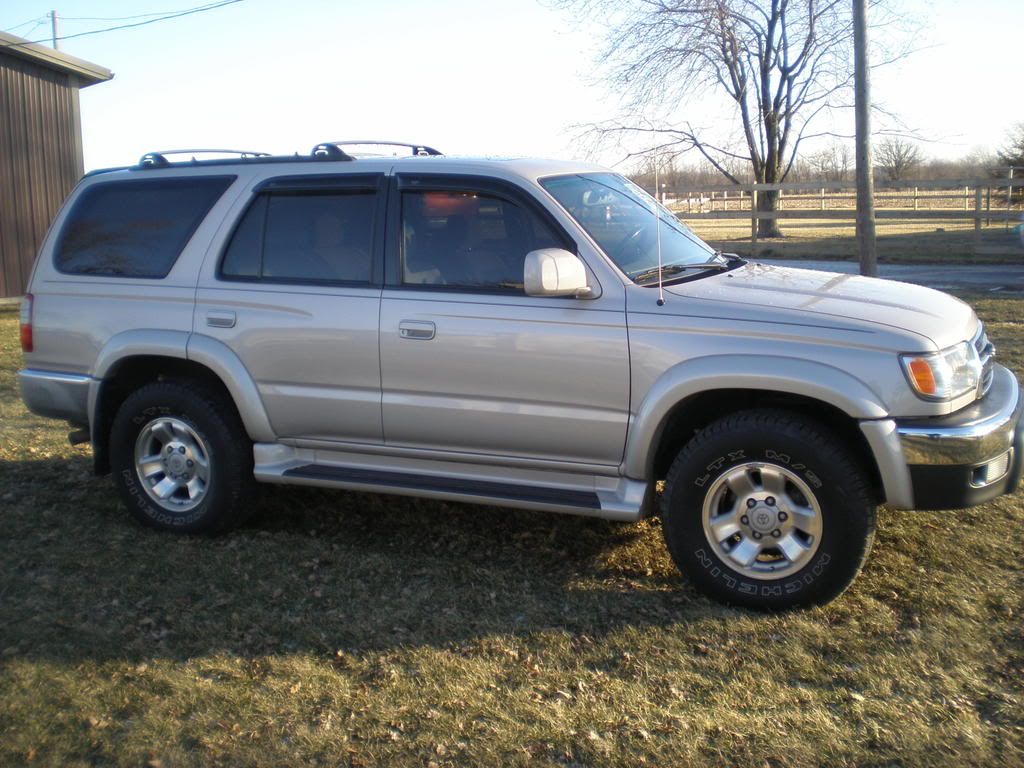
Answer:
(763, 519)
(176, 463)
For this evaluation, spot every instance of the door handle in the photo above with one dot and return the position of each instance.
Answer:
(416, 329)
(220, 318)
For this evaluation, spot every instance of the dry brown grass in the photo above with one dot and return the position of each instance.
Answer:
(899, 240)
(344, 629)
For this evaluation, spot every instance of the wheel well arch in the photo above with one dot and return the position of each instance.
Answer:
(697, 411)
(129, 374)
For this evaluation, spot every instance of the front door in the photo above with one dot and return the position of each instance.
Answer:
(469, 362)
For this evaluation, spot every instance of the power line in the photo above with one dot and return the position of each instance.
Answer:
(175, 15)
(130, 18)
(37, 21)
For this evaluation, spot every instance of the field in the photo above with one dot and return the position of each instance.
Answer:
(343, 629)
(902, 239)
(899, 240)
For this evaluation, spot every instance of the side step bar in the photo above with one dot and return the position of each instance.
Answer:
(565, 489)
(449, 486)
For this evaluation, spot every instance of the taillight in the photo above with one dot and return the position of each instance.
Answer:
(26, 323)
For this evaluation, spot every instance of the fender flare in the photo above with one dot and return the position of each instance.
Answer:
(183, 345)
(219, 358)
(774, 373)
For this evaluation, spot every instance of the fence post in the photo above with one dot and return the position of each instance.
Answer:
(753, 221)
(977, 218)
(966, 191)
(988, 205)
(1009, 198)
(823, 198)
(915, 198)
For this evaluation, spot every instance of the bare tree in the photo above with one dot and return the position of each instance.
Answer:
(1012, 154)
(898, 157)
(782, 63)
(833, 163)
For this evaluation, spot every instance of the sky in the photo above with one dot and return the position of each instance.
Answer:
(470, 77)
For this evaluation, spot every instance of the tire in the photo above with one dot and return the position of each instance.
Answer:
(777, 487)
(195, 441)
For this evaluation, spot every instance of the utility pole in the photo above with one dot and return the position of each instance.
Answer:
(53, 30)
(866, 245)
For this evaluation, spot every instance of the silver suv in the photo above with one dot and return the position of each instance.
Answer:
(520, 333)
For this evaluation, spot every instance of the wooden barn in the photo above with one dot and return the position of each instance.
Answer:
(40, 147)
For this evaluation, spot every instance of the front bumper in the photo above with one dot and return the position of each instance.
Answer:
(971, 456)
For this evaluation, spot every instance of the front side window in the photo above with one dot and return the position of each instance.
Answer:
(135, 228)
(304, 236)
(471, 240)
(620, 217)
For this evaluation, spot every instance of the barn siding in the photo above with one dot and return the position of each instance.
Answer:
(40, 160)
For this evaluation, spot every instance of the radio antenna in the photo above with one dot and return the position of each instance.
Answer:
(657, 232)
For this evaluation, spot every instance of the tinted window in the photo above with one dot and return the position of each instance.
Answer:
(244, 254)
(469, 240)
(316, 236)
(135, 228)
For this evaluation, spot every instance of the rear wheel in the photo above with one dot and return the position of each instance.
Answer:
(181, 458)
(767, 509)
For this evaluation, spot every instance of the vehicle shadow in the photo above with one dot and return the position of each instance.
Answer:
(312, 571)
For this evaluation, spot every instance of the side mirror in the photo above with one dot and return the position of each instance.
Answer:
(554, 272)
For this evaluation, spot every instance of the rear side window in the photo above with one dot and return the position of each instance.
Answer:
(316, 236)
(135, 228)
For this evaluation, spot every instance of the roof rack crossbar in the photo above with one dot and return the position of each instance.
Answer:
(159, 159)
(417, 149)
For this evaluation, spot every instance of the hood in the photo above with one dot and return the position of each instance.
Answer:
(937, 316)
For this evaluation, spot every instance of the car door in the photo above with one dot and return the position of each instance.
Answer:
(469, 362)
(296, 293)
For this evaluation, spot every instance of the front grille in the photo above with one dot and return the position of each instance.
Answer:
(986, 351)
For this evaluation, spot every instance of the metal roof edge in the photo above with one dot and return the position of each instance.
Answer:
(88, 73)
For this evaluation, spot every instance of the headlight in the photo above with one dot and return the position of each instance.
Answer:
(943, 375)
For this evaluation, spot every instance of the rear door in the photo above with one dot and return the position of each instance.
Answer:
(472, 364)
(296, 296)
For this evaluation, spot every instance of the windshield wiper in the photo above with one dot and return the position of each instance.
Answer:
(673, 269)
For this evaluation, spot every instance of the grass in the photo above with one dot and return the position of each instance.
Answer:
(358, 630)
(898, 241)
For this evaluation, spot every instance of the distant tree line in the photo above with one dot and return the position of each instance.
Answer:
(896, 159)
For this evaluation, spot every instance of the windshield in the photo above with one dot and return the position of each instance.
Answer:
(619, 215)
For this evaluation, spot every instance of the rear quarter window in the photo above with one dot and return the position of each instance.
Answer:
(135, 228)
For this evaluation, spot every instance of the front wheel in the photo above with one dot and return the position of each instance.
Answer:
(767, 509)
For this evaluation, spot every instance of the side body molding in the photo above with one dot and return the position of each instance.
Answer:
(764, 372)
(220, 359)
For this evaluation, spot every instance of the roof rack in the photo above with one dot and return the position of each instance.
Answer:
(329, 151)
(417, 149)
(159, 159)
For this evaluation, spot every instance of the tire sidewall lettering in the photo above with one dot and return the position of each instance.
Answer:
(769, 455)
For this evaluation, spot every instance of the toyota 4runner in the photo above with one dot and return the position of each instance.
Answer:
(519, 333)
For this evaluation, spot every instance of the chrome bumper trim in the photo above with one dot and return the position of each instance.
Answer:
(973, 435)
